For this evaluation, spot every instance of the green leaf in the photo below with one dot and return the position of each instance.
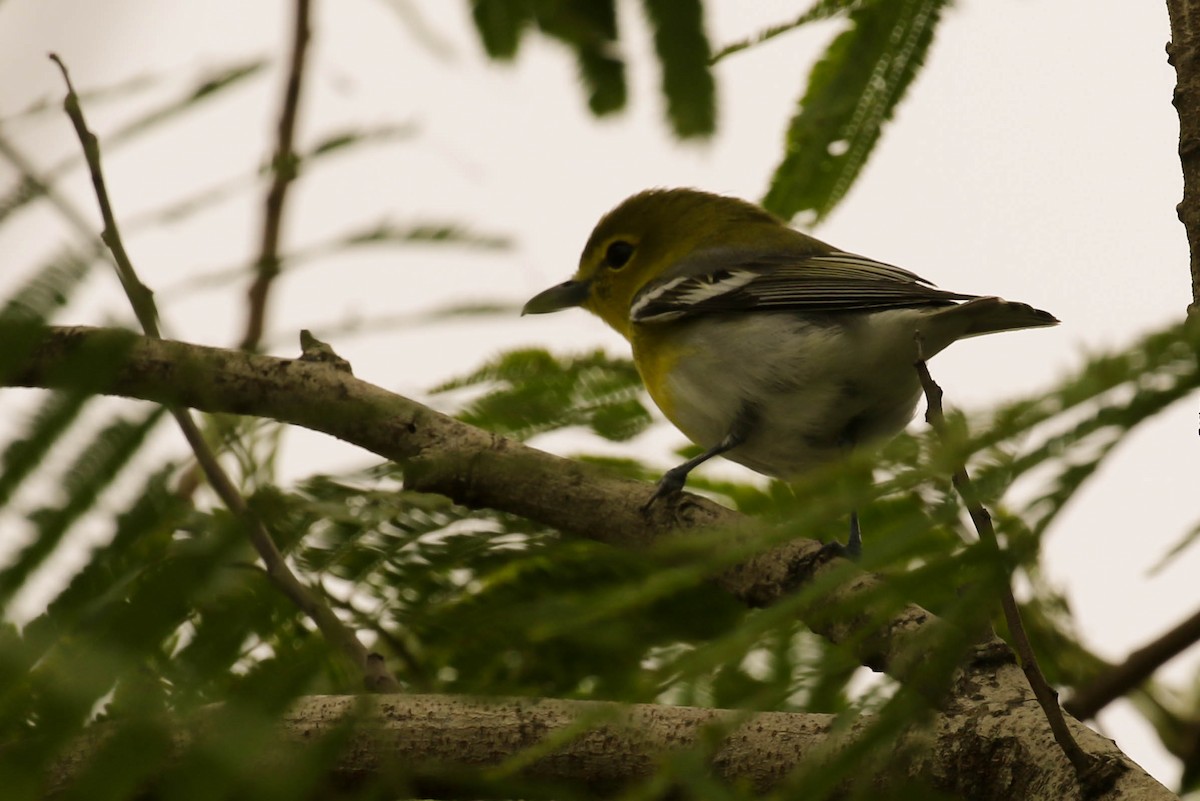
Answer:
(27, 310)
(530, 392)
(500, 24)
(589, 29)
(48, 290)
(386, 232)
(340, 140)
(94, 469)
(119, 90)
(43, 430)
(853, 90)
(683, 50)
(604, 75)
(142, 536)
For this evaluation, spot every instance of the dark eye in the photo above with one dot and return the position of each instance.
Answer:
(618, 254)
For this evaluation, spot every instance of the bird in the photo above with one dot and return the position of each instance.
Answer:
(761, 343)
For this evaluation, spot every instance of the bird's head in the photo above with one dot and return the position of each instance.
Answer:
(642, 239)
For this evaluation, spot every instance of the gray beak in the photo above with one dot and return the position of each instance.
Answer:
(556, 298)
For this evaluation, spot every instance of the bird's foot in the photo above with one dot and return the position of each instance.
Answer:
(669, 485)
(852, 550)
(834, 549)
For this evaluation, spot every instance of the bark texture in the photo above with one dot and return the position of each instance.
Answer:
(1183, 52)
(984, 748)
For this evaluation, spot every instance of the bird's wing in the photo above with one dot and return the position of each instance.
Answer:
(828, 282)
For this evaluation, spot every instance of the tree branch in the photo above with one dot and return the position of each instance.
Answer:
(1118, 680)
(284, 166)
(478, 469)
(1092, 772)
(1183, 53)
(436, 746)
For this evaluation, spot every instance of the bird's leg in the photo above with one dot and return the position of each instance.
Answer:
(673, 480)
(853, 548)
(854, 544)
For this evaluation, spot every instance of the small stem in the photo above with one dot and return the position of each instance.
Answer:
(1046, 695)
(284, 166)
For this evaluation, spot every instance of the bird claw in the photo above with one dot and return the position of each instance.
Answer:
(834, 549)
(852, 550)
(669, 485)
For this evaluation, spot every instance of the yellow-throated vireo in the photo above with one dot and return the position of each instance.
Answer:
(760, 343)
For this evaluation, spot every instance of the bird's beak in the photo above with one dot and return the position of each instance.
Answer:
(556, 298)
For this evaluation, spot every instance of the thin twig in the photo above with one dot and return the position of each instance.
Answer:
(1085, 765)
(142, 301)
(284, 166)
(1136, 669)
(818, 11)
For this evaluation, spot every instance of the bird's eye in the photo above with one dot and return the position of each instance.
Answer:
(618, 254)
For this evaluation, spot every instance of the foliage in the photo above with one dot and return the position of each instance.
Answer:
(172, 613)
(853, 90)
(590, 30)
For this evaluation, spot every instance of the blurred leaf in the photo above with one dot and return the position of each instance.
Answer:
(852, 91)
(1094, 410)
(33, 305)
(205, 88)
(687, 82)
(530, 392)
(142, 536)
(215, 82)
(500, 24)
(389, 232)
(1186, 541)
(383, 233)
(341, 140)
(118, 90)
(332, 144)
(30, 307)
(47, 290)
(47, 425)
(590, 29)
(95, 467)
(424, 33)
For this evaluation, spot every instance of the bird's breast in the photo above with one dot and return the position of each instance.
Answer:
(809, 388)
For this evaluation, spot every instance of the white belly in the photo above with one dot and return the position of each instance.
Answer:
(812, 390)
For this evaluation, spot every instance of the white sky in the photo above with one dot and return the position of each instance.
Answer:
(1035, 158)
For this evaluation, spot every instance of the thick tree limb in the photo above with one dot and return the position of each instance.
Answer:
(478, 469)
(1183, 52)
(436, 746)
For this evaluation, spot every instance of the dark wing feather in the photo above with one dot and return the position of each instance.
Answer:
(833, 282)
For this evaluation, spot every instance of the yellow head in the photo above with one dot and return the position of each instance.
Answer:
(641, 239)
